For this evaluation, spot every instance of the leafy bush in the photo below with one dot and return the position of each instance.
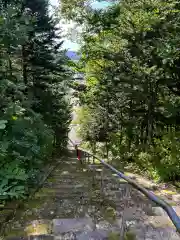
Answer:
(26, 143)
(144, 159)
(12, 181)
(167, 156)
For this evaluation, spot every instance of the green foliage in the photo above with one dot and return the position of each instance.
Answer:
(34, 114)
(12, 178)
(3, 124)
(167, 155)
(130, 58)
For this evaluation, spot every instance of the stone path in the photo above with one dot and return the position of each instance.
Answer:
(68, 205)
(75, 203)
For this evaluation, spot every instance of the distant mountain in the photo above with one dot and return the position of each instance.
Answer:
(72, 55)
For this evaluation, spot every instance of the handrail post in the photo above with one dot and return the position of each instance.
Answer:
(94, 152)
(93, 169)
(85, 156)
(102, 182)
(88, 158)
(93, 160)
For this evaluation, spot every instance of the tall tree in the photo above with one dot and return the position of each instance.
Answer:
(33, 109)
(131, 62)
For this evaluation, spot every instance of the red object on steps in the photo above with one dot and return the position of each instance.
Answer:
(78, 153)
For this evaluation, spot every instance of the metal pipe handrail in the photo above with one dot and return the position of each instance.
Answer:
(168, 209)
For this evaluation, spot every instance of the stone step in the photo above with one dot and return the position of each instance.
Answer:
(70, 182)
(70, 188)
(59, 196)
(97, 169)
(133, 213)
(71, 213)
(146, 230)
(93, 235)
(72, 177)
(73, 171)
(60, 226)
(62, 186)
(105, 179)
(159, 222)
(65, 165)
(83, 229)
(110, 227)
(72, 193)
(158, 211)
(66, 181)
(41, 237)
(65, 186)
(32, 237)
(121, 204)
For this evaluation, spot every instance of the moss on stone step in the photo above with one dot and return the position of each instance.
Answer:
(114, 236)
(130, 236)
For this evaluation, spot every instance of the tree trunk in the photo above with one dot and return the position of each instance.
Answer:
(24, 65)
(151, 106)
(107, 150)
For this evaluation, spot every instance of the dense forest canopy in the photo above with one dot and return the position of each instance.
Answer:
(34, 114)
(131, 60)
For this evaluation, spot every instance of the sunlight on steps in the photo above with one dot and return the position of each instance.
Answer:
(42, 227)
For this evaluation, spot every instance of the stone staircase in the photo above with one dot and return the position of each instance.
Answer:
(68, 206)
(88, 202)
(139, 216)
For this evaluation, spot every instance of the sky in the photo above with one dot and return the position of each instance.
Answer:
(100, 5)
(68, 44)
(95, 4)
